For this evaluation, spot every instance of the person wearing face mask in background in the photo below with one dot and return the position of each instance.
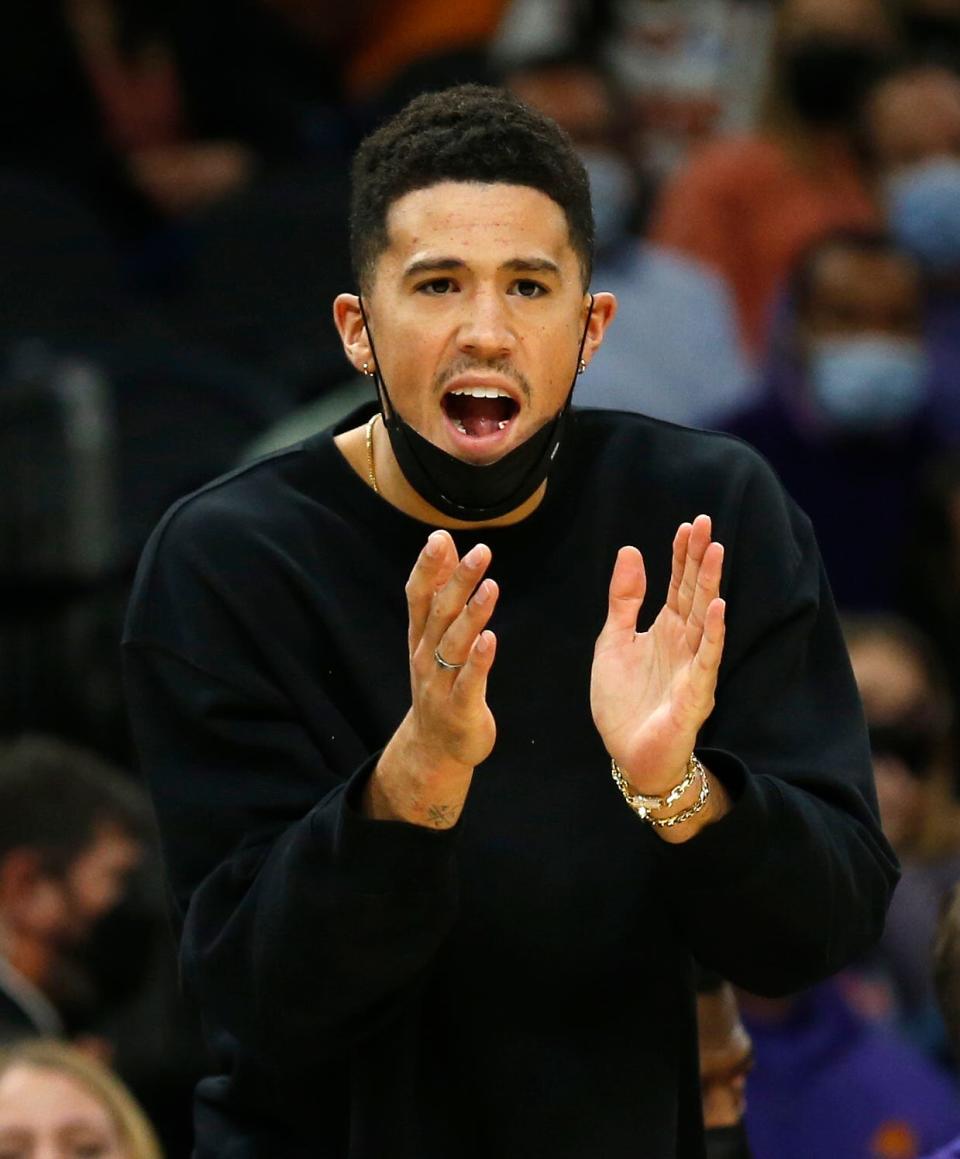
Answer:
(748, 206)
(912, 135)
(654, 362)
(844, 415)
(910, 716)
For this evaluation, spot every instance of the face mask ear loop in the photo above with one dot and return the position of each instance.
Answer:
(583, 342)
(385, 401)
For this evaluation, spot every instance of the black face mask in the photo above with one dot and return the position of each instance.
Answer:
(827, 78)
(470, 491)
(728, 1143)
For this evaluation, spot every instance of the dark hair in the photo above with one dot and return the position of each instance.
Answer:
(473, 133)
(853, 239)
(54, 796)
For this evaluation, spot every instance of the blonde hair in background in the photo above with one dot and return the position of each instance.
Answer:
(134, 1129)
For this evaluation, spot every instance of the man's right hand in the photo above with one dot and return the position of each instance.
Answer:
(424, 773)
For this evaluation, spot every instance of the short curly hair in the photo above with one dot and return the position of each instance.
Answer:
(475, 133)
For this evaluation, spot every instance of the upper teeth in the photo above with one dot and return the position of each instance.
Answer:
(481, 392)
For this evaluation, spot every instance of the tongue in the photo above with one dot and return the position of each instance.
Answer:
(480, 416)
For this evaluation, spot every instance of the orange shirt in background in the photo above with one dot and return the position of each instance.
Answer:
(747, 207)
(397, 34)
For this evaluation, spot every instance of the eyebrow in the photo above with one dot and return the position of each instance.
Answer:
(514, 265)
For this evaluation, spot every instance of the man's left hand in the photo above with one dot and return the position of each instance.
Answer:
(651, 691)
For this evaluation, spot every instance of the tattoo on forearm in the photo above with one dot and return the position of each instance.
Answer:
(440, 815)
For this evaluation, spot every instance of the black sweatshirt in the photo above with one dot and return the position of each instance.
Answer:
(519, 985)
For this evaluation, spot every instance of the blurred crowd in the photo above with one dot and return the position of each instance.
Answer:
(777, 196)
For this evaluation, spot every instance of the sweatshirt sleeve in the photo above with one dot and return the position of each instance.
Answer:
(280, 883)
(795, 881)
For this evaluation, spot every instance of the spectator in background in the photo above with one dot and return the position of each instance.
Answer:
(157, 109)
(689, 69)
(748, 206)
(674, 351)
(400, 47)
(72, 829)
(726, 1058)
(912, 135)
(843, 413)
(910, 715)
(932, 564)
(693, 70)
(58, 1103)
(829, 1082)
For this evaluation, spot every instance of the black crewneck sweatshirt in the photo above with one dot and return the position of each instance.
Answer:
(519, 985)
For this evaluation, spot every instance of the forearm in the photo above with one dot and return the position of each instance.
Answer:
(414, 784)
(343, 912)
(716, 806)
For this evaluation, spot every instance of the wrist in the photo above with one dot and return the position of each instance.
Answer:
(694, 801)
(717, 806)
(648, 804)
(414, 783)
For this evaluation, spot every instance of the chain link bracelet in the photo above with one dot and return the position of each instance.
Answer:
(686, 814)
(641, 804)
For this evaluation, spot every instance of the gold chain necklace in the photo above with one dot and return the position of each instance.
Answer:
(371, 469)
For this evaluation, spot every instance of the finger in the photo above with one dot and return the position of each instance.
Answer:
(628, 586)
(449, 601)
(470, 687)
(680, 542)
(708, 588)
(706, 663)
(434, 567)
(699, 540)
(455, 643)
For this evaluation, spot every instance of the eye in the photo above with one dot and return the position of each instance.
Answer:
(527, 288)
(436, 287)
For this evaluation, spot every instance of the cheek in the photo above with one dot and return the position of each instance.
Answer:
(47, 910)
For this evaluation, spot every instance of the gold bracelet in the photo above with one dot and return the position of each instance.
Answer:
(686, 814)
(641, 804)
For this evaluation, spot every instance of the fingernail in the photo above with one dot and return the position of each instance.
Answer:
(434, 542)
(482, 594)
(474, 556)
(483, 642)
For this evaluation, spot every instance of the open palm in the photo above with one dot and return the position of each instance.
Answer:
(651, 691)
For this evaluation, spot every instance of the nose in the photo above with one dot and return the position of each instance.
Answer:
(486, 331)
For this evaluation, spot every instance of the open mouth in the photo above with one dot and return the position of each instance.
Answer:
(479, 411)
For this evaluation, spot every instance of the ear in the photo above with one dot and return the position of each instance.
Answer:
(603, 313)
(30, 898)
(348, 319)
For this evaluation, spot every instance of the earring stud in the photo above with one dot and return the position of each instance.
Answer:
(582, 367)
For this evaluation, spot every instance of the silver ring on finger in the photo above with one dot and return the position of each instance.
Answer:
(445, 663)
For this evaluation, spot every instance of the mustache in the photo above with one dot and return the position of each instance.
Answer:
(502, 366)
